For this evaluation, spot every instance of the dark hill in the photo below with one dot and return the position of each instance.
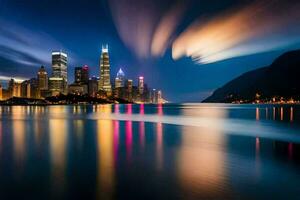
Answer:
(280, 79)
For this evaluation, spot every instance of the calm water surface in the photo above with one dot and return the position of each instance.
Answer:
(188, 151)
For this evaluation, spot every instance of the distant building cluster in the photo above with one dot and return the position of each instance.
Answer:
(44, 86)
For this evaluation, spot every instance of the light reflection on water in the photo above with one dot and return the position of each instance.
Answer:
(105, 146)
(203, 165)
(154, 151)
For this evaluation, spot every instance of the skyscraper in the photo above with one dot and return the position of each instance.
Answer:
(14, 88)
(82, 75)
(104, 83)
(42, 78)
(59, 73)
(159, 97)
(121, 77)
(118, 83)
(78, 74)
(25, 89)
(1, 93)
(129, 88)
(93, 86)
(141, 85)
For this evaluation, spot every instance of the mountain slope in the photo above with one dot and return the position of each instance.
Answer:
(280, 79)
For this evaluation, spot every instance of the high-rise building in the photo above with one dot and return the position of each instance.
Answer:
(14, 88)
(1, 93)
(82, 75)
(104, 83)
(141, 85)
(42, 78)
(159, 97)
(25, 89)
(59, 77)
(129, 88)
(118, 83)
(34, 88)
(93, 86)
(56, 85)
(121, 77)
(154, 96)
(85, 75)
(78, 74)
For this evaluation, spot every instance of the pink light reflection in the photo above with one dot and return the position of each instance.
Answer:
(116, 139)
(142, 109)
(290, 149)
(128, 127)
(117, 109)
(142, 134)
(129, 108)
(159, 147)
(160, 109)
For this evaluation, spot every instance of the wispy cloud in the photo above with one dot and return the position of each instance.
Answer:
(143, 26)
(24, 50)
(165, 30)
(259, 27)
(27, 47)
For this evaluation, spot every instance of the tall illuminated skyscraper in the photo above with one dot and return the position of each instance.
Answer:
(59, 79)
(141, 85)
(104, 82)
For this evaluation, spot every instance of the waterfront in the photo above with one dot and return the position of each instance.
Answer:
(184, 151)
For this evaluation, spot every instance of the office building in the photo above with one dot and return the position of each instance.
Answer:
(141, 85)
(93, 86)
(129, 89)
(59, 77)
(121, 77)
(25, 89)
(34, 88)
(14, 88)
(42, 78)
(104, 82)
(159, 97)
(118, 83)
(56, 85)
(1, 93)
(82, 75)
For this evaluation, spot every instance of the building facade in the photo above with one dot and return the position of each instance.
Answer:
(93, 86)
(121, 77)
(42, 78)
(141, 85)
(81, 75)
(59, 77)
(104, 82)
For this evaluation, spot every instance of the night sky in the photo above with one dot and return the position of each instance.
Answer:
(186, 48)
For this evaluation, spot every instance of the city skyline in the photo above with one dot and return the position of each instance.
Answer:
(86, 88)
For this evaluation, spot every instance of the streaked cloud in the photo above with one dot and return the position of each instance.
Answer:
(135, 21)
(165, 30)
(259, 27)
(26, 47)
(143, 26)
(22, 50)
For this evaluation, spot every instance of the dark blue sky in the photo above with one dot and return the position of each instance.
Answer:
(31, 29)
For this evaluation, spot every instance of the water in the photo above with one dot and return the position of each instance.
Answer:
(189, 151)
